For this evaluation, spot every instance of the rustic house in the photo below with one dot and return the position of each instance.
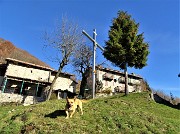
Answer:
(115, 80)
(26, 82)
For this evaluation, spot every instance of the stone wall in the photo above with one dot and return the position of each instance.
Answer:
(20, 99)
(162, 100)
(28, 73)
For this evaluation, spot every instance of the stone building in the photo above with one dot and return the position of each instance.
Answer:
(115, 80)
(22, 79)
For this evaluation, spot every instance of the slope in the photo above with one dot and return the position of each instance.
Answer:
(135, 113)
(8, 50)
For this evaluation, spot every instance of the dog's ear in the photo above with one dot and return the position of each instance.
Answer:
(75, 98)
(67, 98)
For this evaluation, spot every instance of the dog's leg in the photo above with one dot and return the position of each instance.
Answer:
(80, 107)
(72, 114)
(67, 113)
(81, 111)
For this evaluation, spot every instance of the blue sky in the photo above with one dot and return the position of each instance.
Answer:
(23, 22)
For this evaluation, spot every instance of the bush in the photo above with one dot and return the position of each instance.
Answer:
(53, 96)
(99, 85)
(107, 90)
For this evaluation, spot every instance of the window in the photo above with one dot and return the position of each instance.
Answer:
(108, 76)
(39, 92)
(2, 71)
(121, 80)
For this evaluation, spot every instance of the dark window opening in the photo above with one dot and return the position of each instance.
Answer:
(39, 92)
(25, 89)
(2, 71)
(17, 90)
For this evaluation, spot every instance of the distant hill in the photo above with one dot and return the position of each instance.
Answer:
(8, 50)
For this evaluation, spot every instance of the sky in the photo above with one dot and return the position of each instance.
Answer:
(23, 23)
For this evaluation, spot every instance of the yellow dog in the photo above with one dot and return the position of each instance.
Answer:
(72, 105)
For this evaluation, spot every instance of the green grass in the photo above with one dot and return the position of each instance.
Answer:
(117, 114)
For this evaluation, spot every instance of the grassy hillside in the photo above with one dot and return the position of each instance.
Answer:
(135, 113)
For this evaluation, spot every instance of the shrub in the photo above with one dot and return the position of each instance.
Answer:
(53, 96)
(99, 85)
(107, 90)
(145, 86)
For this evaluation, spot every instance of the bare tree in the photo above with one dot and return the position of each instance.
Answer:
(82, 62)
(64, 40)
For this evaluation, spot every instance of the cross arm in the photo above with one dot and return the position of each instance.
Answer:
(89, 37)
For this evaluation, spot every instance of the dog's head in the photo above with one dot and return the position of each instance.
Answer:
(70, 102)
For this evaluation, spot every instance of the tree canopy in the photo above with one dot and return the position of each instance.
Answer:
(125, 46)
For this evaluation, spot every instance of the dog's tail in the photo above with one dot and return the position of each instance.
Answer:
(84, 101)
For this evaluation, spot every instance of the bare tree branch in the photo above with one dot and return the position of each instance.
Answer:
(82, 62)
(64, 41)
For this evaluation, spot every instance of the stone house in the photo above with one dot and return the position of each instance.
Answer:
(115, 80)
(22, 79)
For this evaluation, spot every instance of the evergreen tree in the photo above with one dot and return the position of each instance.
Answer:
(125, 47)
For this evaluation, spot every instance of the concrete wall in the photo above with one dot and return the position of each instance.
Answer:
(133, 83)
(27, 72)
(63, 84)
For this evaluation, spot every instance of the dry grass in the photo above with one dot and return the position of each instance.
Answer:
(8, 50)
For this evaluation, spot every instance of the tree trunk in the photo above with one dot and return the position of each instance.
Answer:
(54, 80)
(83, 85)
(85, 75)
(126, 80)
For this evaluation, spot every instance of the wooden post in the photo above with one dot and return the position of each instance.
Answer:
(22, 87)
(4, 84)
(37, 89)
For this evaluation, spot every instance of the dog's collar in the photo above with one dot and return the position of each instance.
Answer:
(69, 107)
